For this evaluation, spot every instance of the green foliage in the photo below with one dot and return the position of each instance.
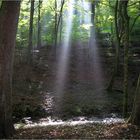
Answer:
(104, 21)
(22, 35)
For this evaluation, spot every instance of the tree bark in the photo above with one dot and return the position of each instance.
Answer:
(39, 25)
(135, 115)
(30, 45)
(126, 49)
(9, 14)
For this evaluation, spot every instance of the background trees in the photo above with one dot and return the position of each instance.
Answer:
(116, 22)
(104, 20)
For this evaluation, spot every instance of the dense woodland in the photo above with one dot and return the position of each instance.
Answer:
(68, 61)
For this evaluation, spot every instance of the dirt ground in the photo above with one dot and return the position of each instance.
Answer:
(34, 93)
(87, 131)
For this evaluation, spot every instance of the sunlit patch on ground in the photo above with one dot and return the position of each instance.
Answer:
(71, 122)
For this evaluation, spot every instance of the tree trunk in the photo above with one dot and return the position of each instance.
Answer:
(135, 116)
(61, 27)
(39, 25)
(9, 14)
(126, 48)
(110, 86)
(30, 45)
(55, 25)
(93, 12)
(58, 24)
(92, 28)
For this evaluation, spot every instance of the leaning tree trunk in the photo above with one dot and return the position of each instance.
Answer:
(135, 115)
(9, 14)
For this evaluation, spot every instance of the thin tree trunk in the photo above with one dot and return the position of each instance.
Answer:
(136, 18)
(61, 27)
(55, 26)
(92, 21)
(111, 27)
(110, 86)
(39, 25)
(59, 21)
(93, 12)
(30, 45)
(112, 35)
(9, 14)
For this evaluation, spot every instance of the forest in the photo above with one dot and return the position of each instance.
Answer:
(69, 69)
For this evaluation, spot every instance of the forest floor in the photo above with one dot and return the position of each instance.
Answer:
(34, 96)
(85, 131)
(33, 89)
